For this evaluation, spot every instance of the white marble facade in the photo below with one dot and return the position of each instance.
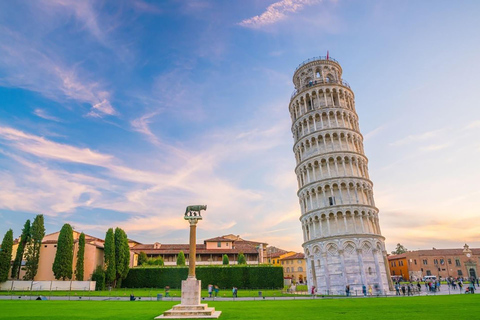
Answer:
(342, 238)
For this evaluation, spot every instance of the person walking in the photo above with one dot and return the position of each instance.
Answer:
(403, 289)
(347, 290)
(364, 290)
(397, 289)
(472, 287)
(210, 290)
(234, 292)
(216, 289)
(409, 289)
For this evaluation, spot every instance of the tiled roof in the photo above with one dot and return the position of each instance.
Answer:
(218, 239)
(294, 257)
(201, 249)
(434, 252)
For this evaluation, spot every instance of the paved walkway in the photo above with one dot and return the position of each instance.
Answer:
(444, 291)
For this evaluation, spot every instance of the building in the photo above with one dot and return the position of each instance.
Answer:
(342, 239)
(294, 267)
(443, 263)
(93, 256)
(210, 252)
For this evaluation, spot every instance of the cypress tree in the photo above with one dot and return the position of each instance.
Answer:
(33, 247)
(79, 268)
(122, 255)
(225, 260)
(142, 258)
(241, 259)
(6, 255)
(109, 252)
(62, 266)
(181, 259)
(24, 238)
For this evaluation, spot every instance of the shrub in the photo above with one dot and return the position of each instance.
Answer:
(241, 276)
(99, 276)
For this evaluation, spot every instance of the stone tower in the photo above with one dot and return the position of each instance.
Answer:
(342, 239)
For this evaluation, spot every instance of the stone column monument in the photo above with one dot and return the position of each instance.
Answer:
(190, 306)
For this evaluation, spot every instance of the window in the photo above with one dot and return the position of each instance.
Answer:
(219, 244)
(449, 261)
(318, 74)
(459, 272)
(425, 262)
(429, 273)
(282, 262)
(299, 261)
(331, 201)
(415, 261)
(400, 263)
(457, 263)
(300, 269)
(227, 244)
(393, 273)
(45, 246)
(435, 261)
(369, 270)
(442, 262)
(288, 269)
(293, 269)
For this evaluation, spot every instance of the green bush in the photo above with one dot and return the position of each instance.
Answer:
(243, 276)
(99, 276)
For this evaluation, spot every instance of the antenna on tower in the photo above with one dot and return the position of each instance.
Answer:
(327, 55)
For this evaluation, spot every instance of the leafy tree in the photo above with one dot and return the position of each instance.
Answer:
(99, 277)
(24, 238)
(225, 261)
(6, 255)
(79, 268)
(62, 266)
(399, 249)
(33, 247)
(155, 261)
(181, 259)
(122, 255)
(142, 258)
(241, 259)
(109, 252)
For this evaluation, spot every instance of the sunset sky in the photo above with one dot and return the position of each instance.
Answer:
(122, 113)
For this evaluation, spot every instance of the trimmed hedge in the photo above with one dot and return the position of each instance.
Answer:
(246, 277)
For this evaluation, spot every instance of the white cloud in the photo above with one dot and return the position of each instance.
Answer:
(44, 115)
(40, 70)
(276, 12)
(418, 137)
(142, 125)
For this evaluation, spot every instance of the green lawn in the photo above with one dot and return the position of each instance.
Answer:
(431, 307)
(148, 292)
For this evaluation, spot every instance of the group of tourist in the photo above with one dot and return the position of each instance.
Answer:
(213, 289)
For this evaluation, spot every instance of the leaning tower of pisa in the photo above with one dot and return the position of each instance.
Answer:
(342, 240)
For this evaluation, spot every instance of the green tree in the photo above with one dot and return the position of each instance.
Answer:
(142, 258)
(6, 255)
(99, 277)
(122, 255)
(62, 265)
(181, 259)
(80, 268)
(241, 259)
(158, 261)
(33, 247)
(399, 249)
(225, 261)
(109, 252)
(24, 238)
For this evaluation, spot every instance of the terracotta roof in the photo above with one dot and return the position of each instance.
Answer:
(294, 257)
(218, 239)
(276, 254)
(434, 252)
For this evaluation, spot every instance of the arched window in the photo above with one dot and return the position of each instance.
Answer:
(300, 269)
(369, 270)
(288, 269)
(317, 74)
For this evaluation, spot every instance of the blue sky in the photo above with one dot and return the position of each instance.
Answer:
(121, 113)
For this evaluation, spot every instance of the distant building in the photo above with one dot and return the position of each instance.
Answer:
(294, 267)
(444, 263)
(93, 255)
(210, 252)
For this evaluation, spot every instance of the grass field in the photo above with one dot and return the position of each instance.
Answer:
(430, 307)
(147, 292)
